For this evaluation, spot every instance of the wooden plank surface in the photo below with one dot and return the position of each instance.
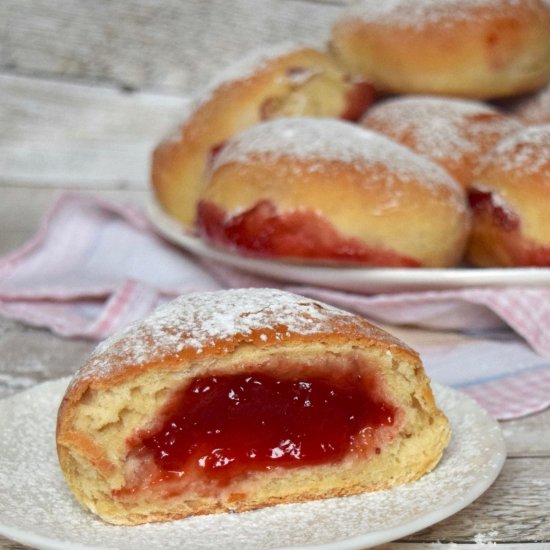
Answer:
(64, 134)
(172, 47)
(515, 508)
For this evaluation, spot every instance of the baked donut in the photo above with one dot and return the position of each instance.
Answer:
(239, 399)
(286, 80)
(455, 133)
(330, 191)
(535, 110)
(469, 48)
(509, 200)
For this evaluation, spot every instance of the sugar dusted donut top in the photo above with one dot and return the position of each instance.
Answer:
(527, 152)
(443, 128)
(243, 69)
(315, 139)
(422, 13)
(253, 61)
(536, 110)
(215, 322)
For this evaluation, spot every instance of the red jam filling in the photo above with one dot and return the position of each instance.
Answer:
(484, 202)
(521, 250)
(359, 98)
(536, 256)
(219, 427)
(262, 231)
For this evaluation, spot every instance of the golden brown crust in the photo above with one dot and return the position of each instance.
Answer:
(285, 81)
(365, 186)
(454, 133)
(511, 226)
(476, 49)
(120, 389)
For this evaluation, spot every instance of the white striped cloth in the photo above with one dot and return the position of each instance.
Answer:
(94, 266)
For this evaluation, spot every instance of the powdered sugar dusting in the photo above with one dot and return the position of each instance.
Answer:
(253, 61)
(536, 110)
(330, 139)
(200, 320)
(32, 486)
(441, 128)
(526, 152)
(422, 13)
(243, 69)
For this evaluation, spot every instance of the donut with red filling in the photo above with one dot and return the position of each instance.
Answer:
(320, 190)
(235, 400)
(509, 201)
(284, 80)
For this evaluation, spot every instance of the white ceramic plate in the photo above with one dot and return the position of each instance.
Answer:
(37, 509)
(353, 279)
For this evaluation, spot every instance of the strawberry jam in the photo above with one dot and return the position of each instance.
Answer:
(516, 248)
(358, 99)
(262, 231)
(219, 427)
(485, 202)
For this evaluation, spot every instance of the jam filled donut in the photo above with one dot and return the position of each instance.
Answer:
(331, 191)
(455, 133)
(287, 80)
(235, 400)
(469, 48)
(509, 200)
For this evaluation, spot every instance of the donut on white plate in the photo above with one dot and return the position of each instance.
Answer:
(285, 80)
(234, 400)
(510, 203)
(329, 191)
(469, 48)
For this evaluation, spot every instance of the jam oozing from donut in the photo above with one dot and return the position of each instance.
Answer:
(485, 202)
(358, 99)
(219, 427)
(262, 231)
(509, 243)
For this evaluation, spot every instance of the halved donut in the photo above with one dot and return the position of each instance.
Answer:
(234, 400)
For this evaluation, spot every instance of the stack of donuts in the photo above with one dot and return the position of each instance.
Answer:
(420, 137)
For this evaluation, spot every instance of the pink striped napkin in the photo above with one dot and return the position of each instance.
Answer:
(95, 266)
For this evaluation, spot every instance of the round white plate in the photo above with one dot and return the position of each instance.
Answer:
(353, 279)
(37, 509)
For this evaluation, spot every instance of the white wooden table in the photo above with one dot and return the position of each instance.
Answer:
(86, 90)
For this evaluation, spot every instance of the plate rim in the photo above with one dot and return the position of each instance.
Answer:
(356, 542)
(372, 278)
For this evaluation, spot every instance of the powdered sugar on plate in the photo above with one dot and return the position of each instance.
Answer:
(37, 508)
